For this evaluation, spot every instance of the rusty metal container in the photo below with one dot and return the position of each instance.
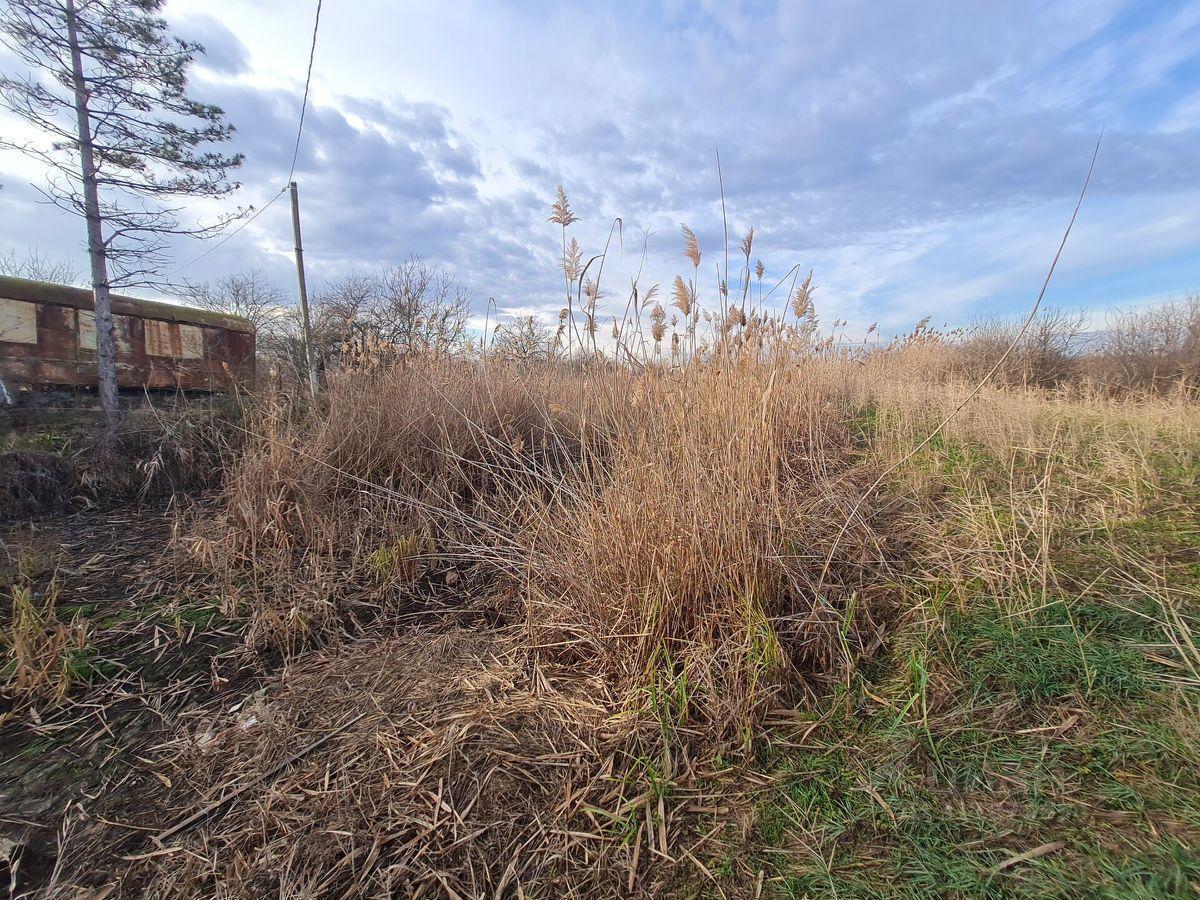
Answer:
(48, 339)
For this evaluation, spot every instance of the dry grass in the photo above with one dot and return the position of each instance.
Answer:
(656, 544)
(677, 522)
(417, 798)
(692, 554)
(43, 655)
(679, 542)
(559, 613)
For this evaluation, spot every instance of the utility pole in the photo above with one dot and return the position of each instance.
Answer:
(308, 344)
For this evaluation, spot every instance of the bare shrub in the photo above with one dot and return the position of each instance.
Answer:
(1154, 349)
(279, 341)
(1045, 356)
(364, 319)
(524, 339)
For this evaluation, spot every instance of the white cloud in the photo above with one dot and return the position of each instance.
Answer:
(921, 157)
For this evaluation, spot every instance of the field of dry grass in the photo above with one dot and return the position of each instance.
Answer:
(730, 610)
(578, 629)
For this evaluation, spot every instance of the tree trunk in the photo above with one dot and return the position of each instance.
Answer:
(106, 348)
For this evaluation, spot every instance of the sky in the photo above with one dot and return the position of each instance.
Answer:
(923, 158)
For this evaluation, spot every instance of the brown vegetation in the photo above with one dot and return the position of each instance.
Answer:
(718, 602)
(1153, 349)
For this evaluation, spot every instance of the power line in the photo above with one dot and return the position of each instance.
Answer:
(217, 246)
(312, 52)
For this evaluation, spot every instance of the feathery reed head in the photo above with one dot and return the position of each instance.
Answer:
(683, 296)
(691, 246)
(801, 301)
(560, 210)
(572, 259)
(591, 291)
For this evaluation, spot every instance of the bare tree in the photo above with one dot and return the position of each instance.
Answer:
(107, 86)
(250, 295)
(37, 267)
(524, 339)
(407, 308)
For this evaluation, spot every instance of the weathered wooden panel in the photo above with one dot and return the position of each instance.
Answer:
(56, 332)
(173, 340)
(159, 339)
(162, 338)
(191, 341)
(87, 332)
(18, 322)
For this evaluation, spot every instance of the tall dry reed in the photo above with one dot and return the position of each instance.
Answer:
(671, 524)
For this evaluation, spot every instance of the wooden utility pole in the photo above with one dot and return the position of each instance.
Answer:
(308, 343)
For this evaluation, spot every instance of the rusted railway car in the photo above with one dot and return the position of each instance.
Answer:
(48, 340)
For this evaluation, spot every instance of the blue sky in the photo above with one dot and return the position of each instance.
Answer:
(923, 158)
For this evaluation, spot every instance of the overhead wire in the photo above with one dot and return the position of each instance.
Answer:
(312, 52)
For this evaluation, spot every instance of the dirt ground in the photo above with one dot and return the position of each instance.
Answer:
(70, 774)
(405, 760)
(426, 749)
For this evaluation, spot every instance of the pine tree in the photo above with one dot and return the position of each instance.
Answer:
(122, 141)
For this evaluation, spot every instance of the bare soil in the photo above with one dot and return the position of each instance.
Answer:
(70, 774)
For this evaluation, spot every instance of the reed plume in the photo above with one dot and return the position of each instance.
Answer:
(691, 246)
(801, 301)
(683, 296)
(560, 210)
(572, 259)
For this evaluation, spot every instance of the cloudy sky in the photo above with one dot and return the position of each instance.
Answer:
(922, 157)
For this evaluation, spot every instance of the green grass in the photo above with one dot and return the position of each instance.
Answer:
(45, 439)
(993, 725)
(1054, 655)
(920, 811)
